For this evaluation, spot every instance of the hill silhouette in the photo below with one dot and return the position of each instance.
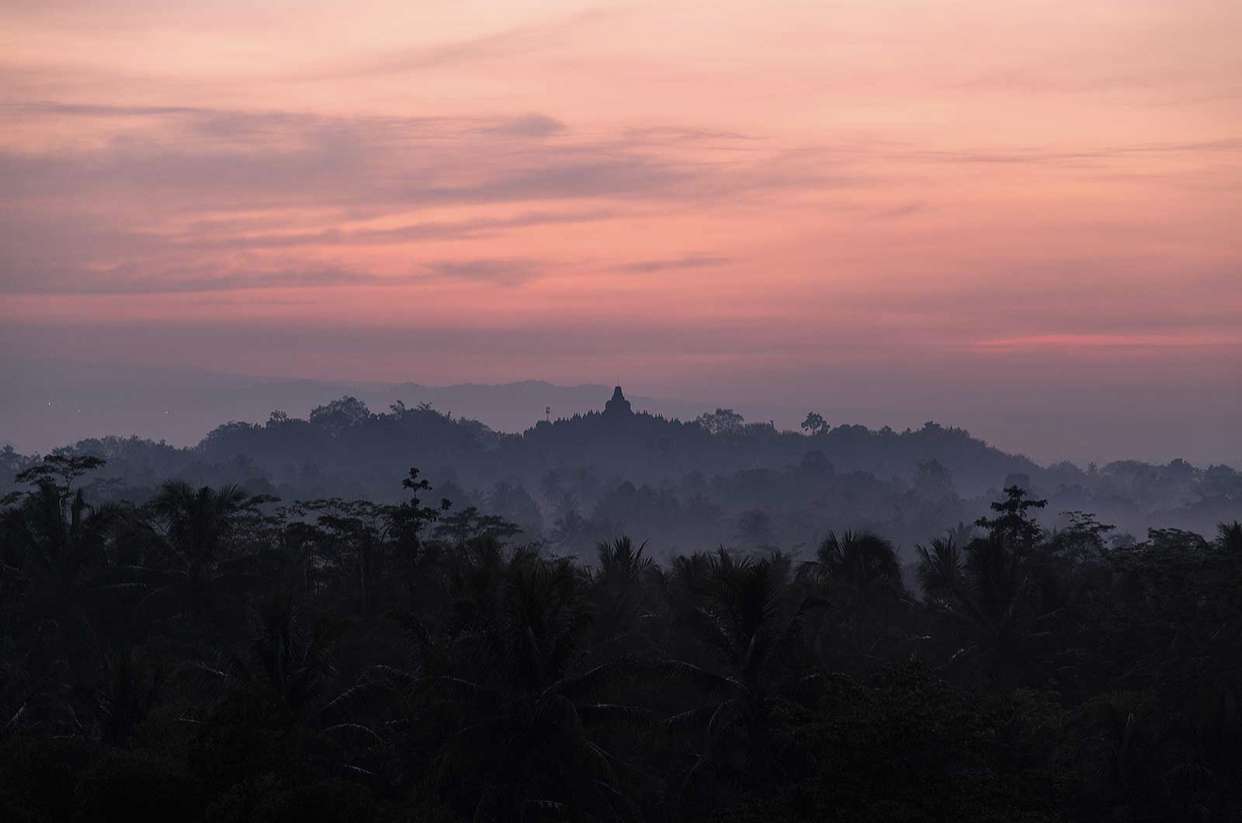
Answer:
(696, 483)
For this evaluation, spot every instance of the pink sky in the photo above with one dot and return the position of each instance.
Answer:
(910, 207)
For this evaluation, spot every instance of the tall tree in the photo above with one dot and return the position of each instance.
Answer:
(750, 623)
(1014, 523)
(199, 524)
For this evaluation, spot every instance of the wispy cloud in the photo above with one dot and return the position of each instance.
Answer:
(128, 281)
(279, 156)
(689, 261)
(432, 230)
(502, 272)
(182, 171)
(530, 125)
(904, 210)
(1106, 341)
(506, 44)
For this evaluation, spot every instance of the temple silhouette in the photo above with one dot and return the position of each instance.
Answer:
(618, 406)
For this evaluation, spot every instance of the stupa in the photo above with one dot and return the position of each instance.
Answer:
(618, 406)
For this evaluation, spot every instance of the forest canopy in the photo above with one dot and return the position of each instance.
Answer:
(686, 486)
(214, 653)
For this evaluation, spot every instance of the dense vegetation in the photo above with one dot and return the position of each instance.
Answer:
(685, 486)
(216, 654)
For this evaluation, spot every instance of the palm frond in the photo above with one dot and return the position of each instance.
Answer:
(681, 672)
(616, 715)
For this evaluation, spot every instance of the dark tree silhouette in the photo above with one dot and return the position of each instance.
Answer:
(750, 624)
(55, 531)
(199, 524)
(201, 654)
(1013, 523)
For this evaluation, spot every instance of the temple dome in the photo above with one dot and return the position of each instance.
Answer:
(618, 404)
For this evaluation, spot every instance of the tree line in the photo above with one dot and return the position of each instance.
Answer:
(215, 654)
(688, 486)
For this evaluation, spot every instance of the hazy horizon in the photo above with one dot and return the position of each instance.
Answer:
(125, 400)
(992, 213)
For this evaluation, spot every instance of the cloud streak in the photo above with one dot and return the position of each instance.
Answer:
(128, 282)
(689, 261)
(366, 177)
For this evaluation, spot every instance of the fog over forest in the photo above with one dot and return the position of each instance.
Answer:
(612, 616)
(716, 479)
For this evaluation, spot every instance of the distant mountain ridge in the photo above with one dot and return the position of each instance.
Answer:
(692, 481)
(50, 403)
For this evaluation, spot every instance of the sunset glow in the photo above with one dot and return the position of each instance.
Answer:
(971, 198)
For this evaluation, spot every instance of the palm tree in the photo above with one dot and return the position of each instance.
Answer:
(986, 597)
(861, 576)
(199, 524)
(499, 705)
(619, 561)
(624, 585)
(941, 569)
(1229, 537)
(198, 521)
(283, 654)
(130, 688)
(61, 536)
(750, 625)
(862, 560)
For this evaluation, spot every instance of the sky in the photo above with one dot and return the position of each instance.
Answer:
(994, 211)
